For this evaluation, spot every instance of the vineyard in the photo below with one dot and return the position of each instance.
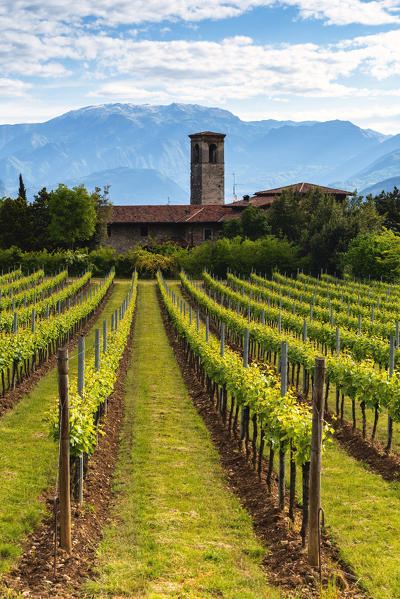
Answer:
(199, 438)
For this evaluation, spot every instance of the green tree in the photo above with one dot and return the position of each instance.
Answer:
(14, 223)
(388, 206)
(254, 223)
(375, 255)
(331, 226)
(22, 189)
(232, 228)
(286, 215)
(72, 215)
(39, 216)
(103, 207)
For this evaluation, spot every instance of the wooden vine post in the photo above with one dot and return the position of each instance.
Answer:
(81, 387)
(64, 474)
(315, 463)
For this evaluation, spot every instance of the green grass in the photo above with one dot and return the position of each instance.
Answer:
(177, 531)
(362, 514)
(381, 431)
(28, 458)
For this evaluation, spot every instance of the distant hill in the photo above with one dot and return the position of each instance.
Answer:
(386, 185)
(83, 145)
(135, 186)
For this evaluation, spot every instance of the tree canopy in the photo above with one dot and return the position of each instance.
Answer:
(375, 255)
(72, 214)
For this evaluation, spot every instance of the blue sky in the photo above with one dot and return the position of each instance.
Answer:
(282, 59)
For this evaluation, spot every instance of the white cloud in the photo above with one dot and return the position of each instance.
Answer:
(12, 88)
(40, 16)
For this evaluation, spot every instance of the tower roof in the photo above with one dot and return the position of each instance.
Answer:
(207, 134)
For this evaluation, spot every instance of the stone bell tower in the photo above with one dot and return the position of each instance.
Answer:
(207, 168)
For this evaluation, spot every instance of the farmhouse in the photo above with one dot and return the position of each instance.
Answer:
(202, 219)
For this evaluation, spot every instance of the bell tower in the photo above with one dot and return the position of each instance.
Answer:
(207, 168)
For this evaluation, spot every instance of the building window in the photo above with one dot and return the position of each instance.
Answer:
(144, 230)
(212, 153)
(207, 234)
(108, 230)
(196, 154)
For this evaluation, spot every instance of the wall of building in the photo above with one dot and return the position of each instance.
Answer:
(206, 173)
(122, 237)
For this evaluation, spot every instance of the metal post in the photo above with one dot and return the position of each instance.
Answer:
(104, 336)
(281, 474)
(97, 350)
(245, 365)
(390, 374)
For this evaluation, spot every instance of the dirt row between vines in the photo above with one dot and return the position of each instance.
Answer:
(34, 576)
(285, 563)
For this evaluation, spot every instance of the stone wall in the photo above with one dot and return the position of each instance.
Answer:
(122, 237)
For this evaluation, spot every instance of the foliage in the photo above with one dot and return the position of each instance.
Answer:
(22, 189)
(322, 226)
(287, 217)
(284, 419)
(266, 254)
(17, 348)
(98, 386)
(358, 379)
(40, 220)
(375, 255)
(48, 293)
(102, 206)
(232, 228)
(72, 214)
(388, 205)
(14, 223)
(253, 224)
(102, 260)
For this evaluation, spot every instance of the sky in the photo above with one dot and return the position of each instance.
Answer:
(260, 59)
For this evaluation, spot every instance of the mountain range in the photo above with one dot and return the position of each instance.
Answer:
(142, 151)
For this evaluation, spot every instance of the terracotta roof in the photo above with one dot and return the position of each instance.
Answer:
(303, 188)
(260, 202)
(172, 214)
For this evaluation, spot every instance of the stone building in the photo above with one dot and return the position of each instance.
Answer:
(207, 168)
(202, 219)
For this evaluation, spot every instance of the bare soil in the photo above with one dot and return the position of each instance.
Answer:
(35, 575)
(285, 562)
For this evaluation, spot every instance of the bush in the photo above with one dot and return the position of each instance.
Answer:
(101, 261)
(242, 256)
(146, 263)
(375, 256)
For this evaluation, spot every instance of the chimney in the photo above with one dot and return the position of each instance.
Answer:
(246, 200)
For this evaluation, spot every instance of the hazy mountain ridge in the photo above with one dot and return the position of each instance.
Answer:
(386, 185)
(92, 143)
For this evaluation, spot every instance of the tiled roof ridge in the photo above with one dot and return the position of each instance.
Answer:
(301, 187)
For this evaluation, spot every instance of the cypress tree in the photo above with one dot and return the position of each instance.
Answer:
(21, 190)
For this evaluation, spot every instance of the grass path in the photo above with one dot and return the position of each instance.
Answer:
(177, 531)
(28, 458)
